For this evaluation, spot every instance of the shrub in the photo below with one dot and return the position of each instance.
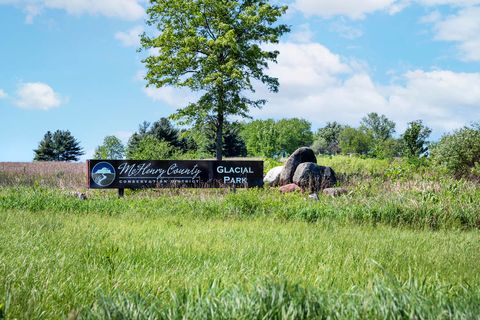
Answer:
(459, 152)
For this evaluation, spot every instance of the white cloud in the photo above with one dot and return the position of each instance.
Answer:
(130, 38)
(353, 9)
(173, 97)
(302, 35)
(37, 95)
(320, 86)
(329, 88)
(456, 3)
(462, 28)
(123, 9)
(3, 94)
(345, 30)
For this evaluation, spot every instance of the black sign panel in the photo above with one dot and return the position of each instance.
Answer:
(136, 174)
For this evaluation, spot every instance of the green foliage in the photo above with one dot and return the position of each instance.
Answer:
(327, 139)
(255, 252)
(459, 152)
(112, 148)
(293, 134)
(260, 137)
(355, 141)
(414, 139)
(270, 138)
(165, 131)
(213, 47)
(379, 126)
(387, 298)
(151, 148)
(59, 146)
(162, 130)
(387, 149)
(233, 144)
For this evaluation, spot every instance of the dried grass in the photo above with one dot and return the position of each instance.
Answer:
(65, 175)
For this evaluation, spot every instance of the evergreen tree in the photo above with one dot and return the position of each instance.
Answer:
(233, 144)
(46, 149)
(59, 146)
(162, 130)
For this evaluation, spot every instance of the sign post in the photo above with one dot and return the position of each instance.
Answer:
(139, 174)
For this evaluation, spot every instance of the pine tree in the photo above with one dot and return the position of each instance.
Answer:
(46, 149)
(59, 146)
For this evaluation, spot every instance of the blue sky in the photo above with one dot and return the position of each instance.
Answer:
(73, 64)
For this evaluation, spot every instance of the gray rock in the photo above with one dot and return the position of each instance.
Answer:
(311, 177)
(273, 176)
(313, 196)
(301, 155)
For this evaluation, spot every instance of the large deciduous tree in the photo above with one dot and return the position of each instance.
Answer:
(216, 48)
(112, 148)
(327, 139)
(414, 139)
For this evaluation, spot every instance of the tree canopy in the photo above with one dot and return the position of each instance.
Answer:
(58, 146)
(112, 148)
(216, 48)
(414, 139)
(327, 139)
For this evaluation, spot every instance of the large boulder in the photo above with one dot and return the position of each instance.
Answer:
(311, 177)
(273, 176)
(299, 156)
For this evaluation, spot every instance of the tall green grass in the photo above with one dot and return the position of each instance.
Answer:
(383, 299)
(432, 205)
(98, 266)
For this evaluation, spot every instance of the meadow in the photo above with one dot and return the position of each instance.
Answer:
(404, 243)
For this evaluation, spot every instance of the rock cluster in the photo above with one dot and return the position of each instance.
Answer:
(301, 172)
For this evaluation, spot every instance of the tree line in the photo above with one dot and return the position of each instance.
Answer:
(374, 137)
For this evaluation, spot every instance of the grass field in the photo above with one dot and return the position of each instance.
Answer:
(403, 244)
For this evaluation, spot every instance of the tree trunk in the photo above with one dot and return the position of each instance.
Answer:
(219, 138)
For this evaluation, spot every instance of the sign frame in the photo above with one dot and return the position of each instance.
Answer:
(143, 174)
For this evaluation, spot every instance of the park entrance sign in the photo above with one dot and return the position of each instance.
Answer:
(138, 174)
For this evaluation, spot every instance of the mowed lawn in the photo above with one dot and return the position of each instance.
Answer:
(57, 264)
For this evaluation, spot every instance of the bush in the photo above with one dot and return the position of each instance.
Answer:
(459, 152)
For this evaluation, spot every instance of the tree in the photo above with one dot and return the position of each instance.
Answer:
(165, 131)
(162, 130)
(327, 139)
(233, 144)
(414, 139)
(112, 148)
(46, 149)
(459, 152)
(260, 137)
(59, 146)
(380, 127)
(381, 130)
(150, 148)
(355, 141)
(293, 134)
(135, 139)
(216, 48)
